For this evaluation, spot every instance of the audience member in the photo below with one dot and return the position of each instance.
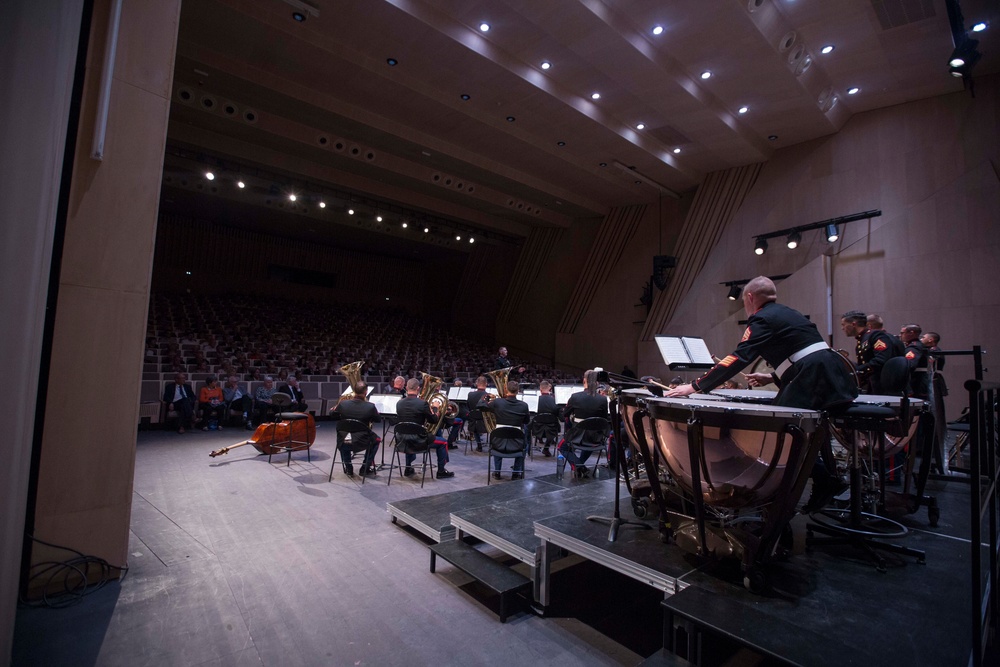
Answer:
(291, 388)
(237, 401)
(263, 405)
(211, 402)
(179, 397)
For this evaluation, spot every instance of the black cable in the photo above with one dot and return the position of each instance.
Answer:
(75, 574)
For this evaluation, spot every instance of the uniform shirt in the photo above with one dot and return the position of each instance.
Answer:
(363, 411)
(916, 359)
(580, 406)
(873, 349)
(475, 397)
(414, 409)
(509, 411)
(547, 405)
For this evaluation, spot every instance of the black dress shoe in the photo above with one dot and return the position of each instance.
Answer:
(517, 475)
(546, 452)
(582, 472)
(408, 471)
(349, 469)
(443, 474)
(479, 448)
(496, 475)
(367, 471)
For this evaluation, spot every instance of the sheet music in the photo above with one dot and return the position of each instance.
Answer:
(564, 391)
(385, 403)
(532, 401)
(697, 350)
(459, 393)
(672, 350)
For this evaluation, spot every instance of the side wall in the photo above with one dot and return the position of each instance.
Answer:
(931, 166)
(84, 491)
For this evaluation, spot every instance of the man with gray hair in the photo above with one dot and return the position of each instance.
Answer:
(808, 373)
(291, 387)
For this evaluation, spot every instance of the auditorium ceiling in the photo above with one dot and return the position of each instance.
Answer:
(408, 109)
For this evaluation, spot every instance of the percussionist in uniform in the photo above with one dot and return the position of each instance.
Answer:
(583, 405)
(417, 410)
(807, 372)
(873, 347)
(357, 407)
(509, 411)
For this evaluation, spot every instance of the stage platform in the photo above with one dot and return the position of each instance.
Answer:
(825, 605)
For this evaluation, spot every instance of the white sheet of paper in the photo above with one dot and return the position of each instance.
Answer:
(698, 350)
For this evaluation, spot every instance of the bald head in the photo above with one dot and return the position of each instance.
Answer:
(757, 293)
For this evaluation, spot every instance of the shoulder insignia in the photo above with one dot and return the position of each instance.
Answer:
(911, 355)
(746, 334)
(880, 345)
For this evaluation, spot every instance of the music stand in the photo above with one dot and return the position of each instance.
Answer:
(616, 521)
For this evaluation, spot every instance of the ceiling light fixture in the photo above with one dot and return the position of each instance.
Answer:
(458, 237)
(706, 74)
(979, 27)
(404, 225)
(760, 247)
(793, 240)
(472, 240)
(240, 184)
(510, 119)
(734, 292)
(560, 143)
(853, 91)
(595, 96)
(392, 62)
(291, 196)
(772, 137)
(830, 228)
(677, 151)
(299, 16)
(546, 64)
(378, 218)
(744, 109)
(603, 164)
(827, 49)
(484, 27)
(350, 211)
(209, 175)
(658, 30)
(426, 229)
(640, 126)
(832, 233)
(465, 97)
(322, 204)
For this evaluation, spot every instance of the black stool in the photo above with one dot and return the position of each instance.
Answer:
(290, 445)
(853, 526)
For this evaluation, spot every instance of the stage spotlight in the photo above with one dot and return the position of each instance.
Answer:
(350, 211)
(209, 175)
(472, 240)
(734, 292)
(378, 218)
(240, 184)
(405, 225)
(322, 204)
(426, 229)
(458, 237)
(292, 197)
(761, 246)
(793, 240)
(832, 233)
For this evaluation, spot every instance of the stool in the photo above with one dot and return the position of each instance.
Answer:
(290, 445)
(853, 526)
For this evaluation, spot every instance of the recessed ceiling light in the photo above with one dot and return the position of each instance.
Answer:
(677, 151)
(405, 225)
(853, 91)
(640, 126)
(322, 204)
(392, 62)
(350, 211)
(595, 96)
(378, 218)
(510, 119)
(638, 182)
(744, 109)
(240, 184)
(299, 16)
(772, 137)
(458, 237)
(209, 175)
(484, 27)
(466, 96)
(706, 75)
(292, 197)
(426, 229)
(956, 62)
(657, 29)
(826, 49)
(546, 64)
(603, 164)
(560, 143)
(472, 240)
(979, 27)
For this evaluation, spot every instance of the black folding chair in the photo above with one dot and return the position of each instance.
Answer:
(504, 433)
(595, 439)
(355, 428)
(410, 438)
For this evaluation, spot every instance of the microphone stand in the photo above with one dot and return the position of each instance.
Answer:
(616, 521)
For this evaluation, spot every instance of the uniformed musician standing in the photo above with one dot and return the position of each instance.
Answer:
(808, 373)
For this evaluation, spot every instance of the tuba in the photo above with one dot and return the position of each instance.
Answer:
(438, 401)
(499, 378)
(352, 372)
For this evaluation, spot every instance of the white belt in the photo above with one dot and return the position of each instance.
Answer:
(798, 356)
(921, 370)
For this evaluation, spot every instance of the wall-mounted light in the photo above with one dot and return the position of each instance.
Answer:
(830, 227)
(734, 292)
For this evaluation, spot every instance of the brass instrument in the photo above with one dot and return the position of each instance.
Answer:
(352, 372)
(499, 378)
(438, 401)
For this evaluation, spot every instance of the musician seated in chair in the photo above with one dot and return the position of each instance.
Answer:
(583, 405)
(358, 407)
(263, 403)
(547, 434)
(476, 427)
(212, 403)
(808, 373)
(179, 397)
(415, 409)
(291, 387)
(509, 411)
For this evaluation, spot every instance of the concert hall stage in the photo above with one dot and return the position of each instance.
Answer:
(824, 605)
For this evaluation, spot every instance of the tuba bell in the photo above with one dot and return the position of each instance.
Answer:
(437, 400)
(352, 372)
(499, 378)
